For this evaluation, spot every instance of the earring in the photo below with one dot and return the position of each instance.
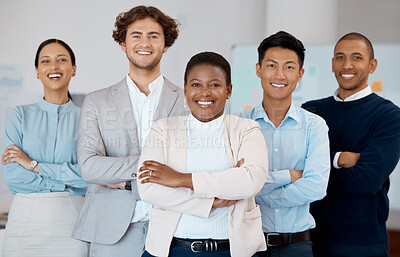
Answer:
(184, 102)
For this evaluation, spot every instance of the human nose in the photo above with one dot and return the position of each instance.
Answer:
(55, 64)
(348, 64)
(205, 91)
(279, 73)
(144, 41)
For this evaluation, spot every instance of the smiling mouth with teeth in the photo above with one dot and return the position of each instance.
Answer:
(347, 75)
(143, 52)
(54, 76)
(278, 85)
(205, 102)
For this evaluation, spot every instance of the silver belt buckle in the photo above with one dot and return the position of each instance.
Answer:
(192, 246)
(271, 234)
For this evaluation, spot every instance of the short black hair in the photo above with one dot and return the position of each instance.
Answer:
(360, 37)
(210, 58)
(284, 40)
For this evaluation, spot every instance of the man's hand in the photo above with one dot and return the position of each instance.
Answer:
(223, 203)
(295, 175)
(348, 159)
(115, 186)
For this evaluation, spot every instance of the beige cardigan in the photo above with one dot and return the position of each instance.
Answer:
(166, 144)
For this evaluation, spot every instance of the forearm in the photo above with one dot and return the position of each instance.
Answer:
(176, 199)
(65, 172)
(20, 180)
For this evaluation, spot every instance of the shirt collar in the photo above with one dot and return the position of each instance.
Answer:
(215, 124)
(361, 94)
(154, 86)
(293, 113)
(56, 108)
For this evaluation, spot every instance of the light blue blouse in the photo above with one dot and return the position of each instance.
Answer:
(47, 133)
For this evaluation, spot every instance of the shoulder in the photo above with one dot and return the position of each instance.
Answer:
(104, 92)
(245, 113)
(311, 117)
(317, 103)
(386, 113)
(385, 104)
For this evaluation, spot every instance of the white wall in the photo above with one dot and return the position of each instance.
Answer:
(87, 27)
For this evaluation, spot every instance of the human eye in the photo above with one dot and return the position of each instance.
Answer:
(289, 67)
(153, 37)
(195, 85)
(62, 60)
(357, 57)
(271, 65)
(215, 85)
(339, 57)
(44, 61)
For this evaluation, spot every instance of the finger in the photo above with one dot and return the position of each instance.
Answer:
(8, 161)
(152, 163)
(12, 147)
(8, 156)
(143, 168)
(240, 162)
(144, 174)
(149, 166)
(149, 180)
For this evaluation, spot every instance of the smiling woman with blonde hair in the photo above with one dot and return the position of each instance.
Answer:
(39, 163)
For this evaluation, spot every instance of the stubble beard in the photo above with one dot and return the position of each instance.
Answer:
(148, 67)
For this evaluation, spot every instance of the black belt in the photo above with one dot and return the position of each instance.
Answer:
(201, 245)
(278, 239)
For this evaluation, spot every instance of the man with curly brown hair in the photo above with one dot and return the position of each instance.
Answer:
(114, 124)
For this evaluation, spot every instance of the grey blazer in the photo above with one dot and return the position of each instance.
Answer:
(108, 153)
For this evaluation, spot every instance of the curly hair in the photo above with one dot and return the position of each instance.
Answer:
(123, 20)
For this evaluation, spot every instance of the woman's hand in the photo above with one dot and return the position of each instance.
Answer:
(223, 203)
(155, 172)
(15, 154)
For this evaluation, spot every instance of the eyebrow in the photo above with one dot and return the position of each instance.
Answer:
(201, 80)
(272, 60)
(355, 53)
(46, 56)
(141, 33)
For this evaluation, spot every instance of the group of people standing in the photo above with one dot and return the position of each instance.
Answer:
(168, 172)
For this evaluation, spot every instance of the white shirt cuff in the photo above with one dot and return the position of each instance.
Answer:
(335, 160)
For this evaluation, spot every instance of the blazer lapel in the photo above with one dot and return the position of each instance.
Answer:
(167, 100)
(122, 100)
(228, 140)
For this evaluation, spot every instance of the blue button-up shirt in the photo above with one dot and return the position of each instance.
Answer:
(299, 143)
(47, 133)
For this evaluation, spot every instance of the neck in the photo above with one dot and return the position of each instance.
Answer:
(276, 110)
(143, 78)
(56, 97)
(343, 93)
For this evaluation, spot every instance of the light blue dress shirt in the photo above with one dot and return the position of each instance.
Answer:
(47, 133)
(300, 143)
